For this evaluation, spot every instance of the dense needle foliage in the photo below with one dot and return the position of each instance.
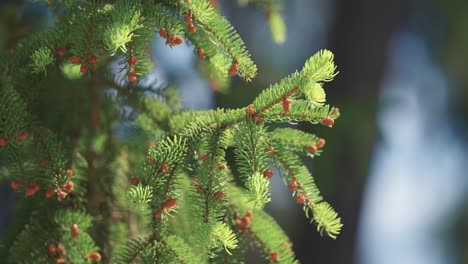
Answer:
(164, 192)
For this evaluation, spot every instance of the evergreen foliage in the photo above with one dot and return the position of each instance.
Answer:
(91, 195)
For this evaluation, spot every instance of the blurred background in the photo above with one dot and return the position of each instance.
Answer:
(395, 162)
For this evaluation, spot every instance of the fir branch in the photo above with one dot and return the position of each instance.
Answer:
(126, 19)
(210, 176)
(297, 140)
(262, 228)
(133, 249)
(301, 111)
(182, 251)
(211, 222)
(326, 218)
(298, 172)
(277, 101)
(271, 238)
(213, 23)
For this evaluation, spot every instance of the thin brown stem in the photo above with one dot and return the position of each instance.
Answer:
(254, 149)
(137, 253)
(277, 101)
(171, 177)
(290, 172)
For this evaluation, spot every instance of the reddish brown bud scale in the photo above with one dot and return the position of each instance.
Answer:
(234, 68)
(94, 256)
(32, 190)
(312, 148)
(247, 221)
(204, 156)
(150, 160)
(74, 230)
(219, 195)
(170, 41)
(52, 249)
(62, 194)
(187, 18)
(164, 168)
(3, 141)
(132, 60)
(286, 105)
(29, 192)
(191, 28)
(320, 143)
(158, 214)
(92, 59)
(83, 68)
(301, 198)
(61, 52)
(60, 261)
(15, 185)
(23, 136)
(328, 121)
(61, 249)
(169, 203)
(68, 186)
(293, 185)
(250, 110)
(74, 59)
(200, 189)
(132, 77)
(178, 40)
(259, 121)
(135, 181)
(49, 193)
(163, 32)
(268, 174)
(243, 223)
(221, 166)
(69, 172)
(274, 256)
(249, 213)
(201, 53)
(36, 187)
